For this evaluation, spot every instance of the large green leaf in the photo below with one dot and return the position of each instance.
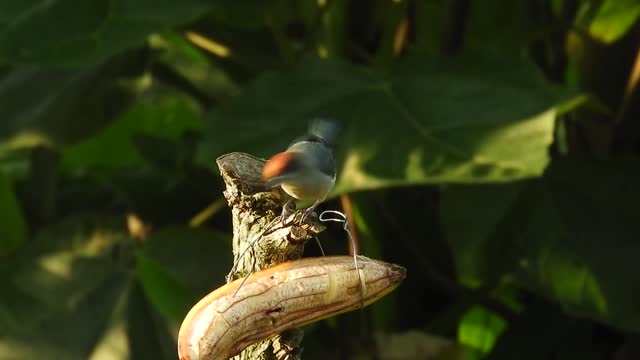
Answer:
(57, 106)
(171, 297)
(246, 14)
(80, 290)
(479, 329)
(80, 32)
(426, 120)
(487, 26)
(148, 334)
(614, 18)
(12, 224)
(60, 291)
(542, 331)
(199, 258)
(570, 236)
(473, 217)
(115, 148)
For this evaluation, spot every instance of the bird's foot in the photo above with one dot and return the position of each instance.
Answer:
(308, 212)
(287, 210)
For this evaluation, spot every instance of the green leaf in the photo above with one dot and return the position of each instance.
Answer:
(487, 26)
(72, 32)
(114, 148)
(480, 328)
(70, 294)
(569, 236)
(427, 120)
(543, 332)
(64, 333)
(58, 107)
(246, 14)
(472, 217)
(12, 224)
(178, 264)
(614, 18)
(198, 258)
(61, 290)
(371, 236)
(580, 239)
(114, 342)
(169, 296)
(148, 334)
(484, 28)
(64, 262)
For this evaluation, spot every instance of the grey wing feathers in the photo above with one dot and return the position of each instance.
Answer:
(318, 155)
(327, 164)
(325, 129)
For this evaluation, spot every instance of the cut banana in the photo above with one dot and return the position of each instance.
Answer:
(286, 296)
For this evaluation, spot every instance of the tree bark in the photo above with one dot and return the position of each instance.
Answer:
(261, 239)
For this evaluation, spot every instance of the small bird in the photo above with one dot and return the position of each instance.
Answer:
(307, 169)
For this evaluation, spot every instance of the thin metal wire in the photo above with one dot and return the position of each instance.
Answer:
(345, 226)
(319, 245)
(342, 218)
(249, 247)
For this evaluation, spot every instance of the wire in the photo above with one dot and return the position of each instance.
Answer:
(342, 218)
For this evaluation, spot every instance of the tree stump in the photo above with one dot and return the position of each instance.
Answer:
(261, 239)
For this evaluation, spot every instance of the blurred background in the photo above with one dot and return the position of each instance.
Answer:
(490, 147)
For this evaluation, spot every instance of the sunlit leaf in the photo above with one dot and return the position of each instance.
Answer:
(480, 328)
(570, 236)
(64, 333)
(614, 18)
(468, 119)
(580, 239)
(61, 290)
(62, 263)
(191, 62)
(69, 294)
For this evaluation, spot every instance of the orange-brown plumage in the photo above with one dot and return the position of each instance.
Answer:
(276, 165)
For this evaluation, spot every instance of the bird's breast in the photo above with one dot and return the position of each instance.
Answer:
(309, 188)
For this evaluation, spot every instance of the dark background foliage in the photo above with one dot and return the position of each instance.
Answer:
(490, 147)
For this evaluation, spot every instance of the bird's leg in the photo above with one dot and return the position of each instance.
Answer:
(308, 211)
(287, 209)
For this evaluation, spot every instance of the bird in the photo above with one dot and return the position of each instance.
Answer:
(306, 170)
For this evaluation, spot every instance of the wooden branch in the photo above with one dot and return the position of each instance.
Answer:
(274, 300)
(260, 239)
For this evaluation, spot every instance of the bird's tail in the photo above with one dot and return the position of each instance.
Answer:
(326, 129)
